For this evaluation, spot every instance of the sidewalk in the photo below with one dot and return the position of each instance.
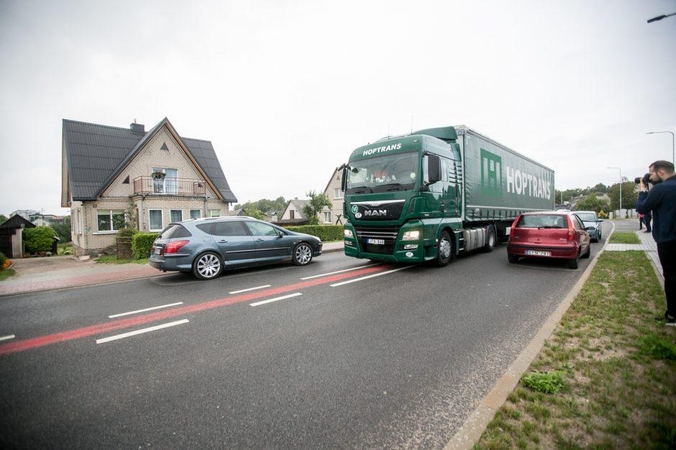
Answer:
(59, 272)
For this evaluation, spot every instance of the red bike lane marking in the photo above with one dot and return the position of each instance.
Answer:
(41, 341)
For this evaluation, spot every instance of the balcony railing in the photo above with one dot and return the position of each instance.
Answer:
(182, 187)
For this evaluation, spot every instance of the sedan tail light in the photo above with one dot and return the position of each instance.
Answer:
(174, 247)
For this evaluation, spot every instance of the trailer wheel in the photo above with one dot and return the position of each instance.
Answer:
(444, 249)
(490, 239)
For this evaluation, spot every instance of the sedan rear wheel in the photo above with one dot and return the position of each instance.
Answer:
(512, 258)
(302, 254)
(207, 266)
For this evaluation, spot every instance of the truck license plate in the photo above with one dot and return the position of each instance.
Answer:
(375, 241)
(538, 253)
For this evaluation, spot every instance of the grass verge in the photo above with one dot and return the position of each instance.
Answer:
(624, 237)
(6, 273)
(113, 259)
(606, 378)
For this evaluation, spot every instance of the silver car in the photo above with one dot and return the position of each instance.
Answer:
(207, 246)
(592, 223)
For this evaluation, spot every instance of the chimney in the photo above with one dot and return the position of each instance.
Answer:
(138, 128)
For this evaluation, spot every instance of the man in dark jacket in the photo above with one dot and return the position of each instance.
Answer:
(661, 200)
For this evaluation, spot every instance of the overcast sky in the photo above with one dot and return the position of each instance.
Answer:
(285, 90)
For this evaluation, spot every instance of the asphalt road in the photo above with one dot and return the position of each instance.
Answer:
(373, 356)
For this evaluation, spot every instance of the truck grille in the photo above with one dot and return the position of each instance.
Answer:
(387, 234)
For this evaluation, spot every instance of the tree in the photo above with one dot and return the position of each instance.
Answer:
(3, 219)
(263, 206)
(591, 203)
(315, 205)
(63, 230)
(629, 196)
(38, 239)
(253, 212)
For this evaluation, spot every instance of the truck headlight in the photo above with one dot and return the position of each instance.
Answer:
(413, 235)
(348, 233)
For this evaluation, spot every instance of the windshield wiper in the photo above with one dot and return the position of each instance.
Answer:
(395, 186)
(355, 189)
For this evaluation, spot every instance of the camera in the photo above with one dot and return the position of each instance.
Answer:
(645, 179)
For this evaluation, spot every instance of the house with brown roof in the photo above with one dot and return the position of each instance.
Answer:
(112, 177)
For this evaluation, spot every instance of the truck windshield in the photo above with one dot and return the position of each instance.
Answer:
(382, 174)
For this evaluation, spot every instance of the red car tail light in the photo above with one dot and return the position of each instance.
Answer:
(571, 230)
(174, 247)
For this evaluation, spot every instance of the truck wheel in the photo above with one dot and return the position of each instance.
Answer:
(490, 239)
(444, 249)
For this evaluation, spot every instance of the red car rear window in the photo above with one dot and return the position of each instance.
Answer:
(543, 221)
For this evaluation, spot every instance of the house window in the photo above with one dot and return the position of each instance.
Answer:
(291, 214)
(337, 193)
(214, 213)
(327, 216)
(195, 213)
(176, 215)
(110, 219)
(155, 219)
(167, 184)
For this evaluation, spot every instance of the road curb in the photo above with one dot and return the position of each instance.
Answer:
(475, 424)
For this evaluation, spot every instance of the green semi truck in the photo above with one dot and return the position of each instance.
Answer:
(435, 193)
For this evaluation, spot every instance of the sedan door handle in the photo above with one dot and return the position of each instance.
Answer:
(222, 241)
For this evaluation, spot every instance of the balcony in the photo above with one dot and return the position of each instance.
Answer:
(182, 187)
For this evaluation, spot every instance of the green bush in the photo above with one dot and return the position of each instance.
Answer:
(3, 258)
(38, 239)
(142, 243)
(324, 232)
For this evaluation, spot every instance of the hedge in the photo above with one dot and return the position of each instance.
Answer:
(326, 233)
(142, 244)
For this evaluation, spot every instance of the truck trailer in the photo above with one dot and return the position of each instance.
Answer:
(435, 193)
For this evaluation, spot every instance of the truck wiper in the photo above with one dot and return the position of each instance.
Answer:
(355, 189)
(395, 186)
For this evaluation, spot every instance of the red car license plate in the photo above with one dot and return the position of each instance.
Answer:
(538, 253)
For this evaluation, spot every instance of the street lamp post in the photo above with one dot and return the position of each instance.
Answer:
(620, 187)
(673, 149)
(663, 16)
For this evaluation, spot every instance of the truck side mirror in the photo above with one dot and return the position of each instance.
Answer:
(433, 169)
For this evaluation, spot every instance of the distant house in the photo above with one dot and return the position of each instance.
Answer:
(333, 192)
(112, 176)
(293, 214)
(11, 236)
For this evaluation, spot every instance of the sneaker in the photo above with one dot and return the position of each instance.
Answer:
(663, 318)
(671, 322)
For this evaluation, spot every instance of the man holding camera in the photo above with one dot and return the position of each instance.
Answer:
(661, 200)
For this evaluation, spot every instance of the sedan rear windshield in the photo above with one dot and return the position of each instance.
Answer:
(587, 217)
(543, 221)
(174, 230)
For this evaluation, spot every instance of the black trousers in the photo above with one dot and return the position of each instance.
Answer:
(667, 254)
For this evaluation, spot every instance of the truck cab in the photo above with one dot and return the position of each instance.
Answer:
(401, 194)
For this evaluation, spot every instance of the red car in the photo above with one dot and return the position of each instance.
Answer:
(549, 234)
